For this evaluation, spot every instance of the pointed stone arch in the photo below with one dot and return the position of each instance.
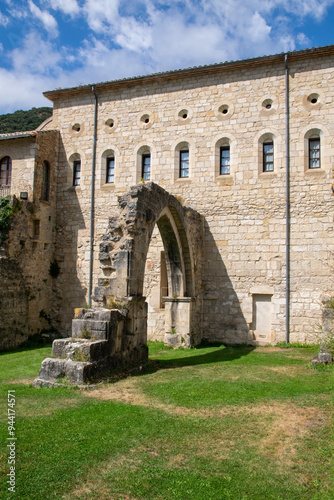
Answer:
(124, 249)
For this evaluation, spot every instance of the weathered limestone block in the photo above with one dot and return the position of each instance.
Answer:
(84, 349)
(179, 314)
(176, 340)
(322, 357)
(52, 369)
(87, 328)
(77, 372)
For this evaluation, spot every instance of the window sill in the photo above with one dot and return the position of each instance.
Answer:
(108, 186)
(74, 189)
(315, 171)
(267, 175)
(183, 179)
(225, 179)
(45, 202)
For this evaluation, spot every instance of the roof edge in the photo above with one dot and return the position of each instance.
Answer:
(315, 51)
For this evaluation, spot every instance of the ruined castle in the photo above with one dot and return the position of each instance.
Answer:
(202, 197)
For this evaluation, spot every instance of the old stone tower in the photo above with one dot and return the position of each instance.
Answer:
(208, 190)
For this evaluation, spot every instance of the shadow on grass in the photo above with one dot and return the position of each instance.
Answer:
(26, 346)
(218, 356)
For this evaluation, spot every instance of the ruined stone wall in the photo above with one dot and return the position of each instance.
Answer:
(244, 212)
(28, 300)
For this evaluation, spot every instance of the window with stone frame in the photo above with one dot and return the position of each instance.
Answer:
(314, 152)
(184, 163)
(45, 195)
(5, 171)
(110, 179)
(146, 167)
(76, 172)
(268, 156)
(225, 159)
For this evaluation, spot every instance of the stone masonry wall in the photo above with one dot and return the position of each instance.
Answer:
(28, 293)
(152, 285)
(244, 212)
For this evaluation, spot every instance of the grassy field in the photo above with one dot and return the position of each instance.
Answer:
(209, 423)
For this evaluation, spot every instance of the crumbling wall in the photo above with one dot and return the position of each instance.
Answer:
(27, 289)
(13, 304)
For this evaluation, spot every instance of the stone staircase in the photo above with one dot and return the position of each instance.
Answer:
(101, 344)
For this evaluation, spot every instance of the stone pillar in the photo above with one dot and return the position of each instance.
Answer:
(178, 320)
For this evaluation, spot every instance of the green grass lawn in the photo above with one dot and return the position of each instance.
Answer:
(208, 423)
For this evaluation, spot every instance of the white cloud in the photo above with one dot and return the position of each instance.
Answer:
(49, 22)
(3, 20)
(14, 95)
(133, 36)
(101, 14)
(302, 39)
(69, 7)
(36, 56)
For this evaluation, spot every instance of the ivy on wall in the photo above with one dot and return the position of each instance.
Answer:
(7, 208)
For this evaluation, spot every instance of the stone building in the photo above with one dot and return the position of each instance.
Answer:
(228, 231)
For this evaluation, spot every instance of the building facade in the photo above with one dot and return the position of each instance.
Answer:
(247, 150)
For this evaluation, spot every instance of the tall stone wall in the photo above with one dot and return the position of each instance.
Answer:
(28, 302)
(244, 212)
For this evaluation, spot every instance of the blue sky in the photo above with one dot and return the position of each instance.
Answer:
(45, 44)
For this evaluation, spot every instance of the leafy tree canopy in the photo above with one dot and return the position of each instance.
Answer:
(21, 121)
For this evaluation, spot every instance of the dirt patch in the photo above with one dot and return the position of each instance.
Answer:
(25, 381)
(284, 426)
(95, 485)
(129, 392)
(290, 370)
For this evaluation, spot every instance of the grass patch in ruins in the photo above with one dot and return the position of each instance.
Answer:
(22, 363)
(213, 423)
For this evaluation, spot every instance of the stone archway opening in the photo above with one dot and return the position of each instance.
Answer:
(148, 213)
(168, 282)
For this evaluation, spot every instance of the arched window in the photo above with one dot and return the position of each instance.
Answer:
(45, 181)
(5, 171)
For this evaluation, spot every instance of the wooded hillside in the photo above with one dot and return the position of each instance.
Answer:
(20, 121)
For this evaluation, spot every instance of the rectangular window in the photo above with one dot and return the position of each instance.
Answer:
(224, 160)
(76, 172)
(110, 170)
(5, 171)
(314, 152)
(36, 229)
(268, 156)
(184, 163)
(146, 167)
(45, 181)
